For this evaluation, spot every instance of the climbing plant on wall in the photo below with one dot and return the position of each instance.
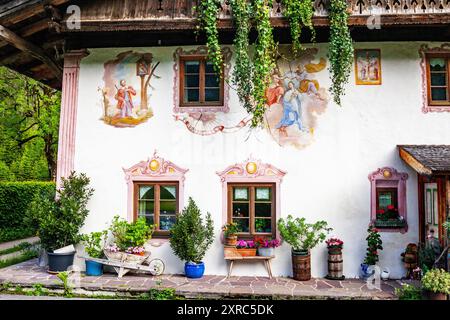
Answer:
(299, 13)
(340, 48)
(251, 73)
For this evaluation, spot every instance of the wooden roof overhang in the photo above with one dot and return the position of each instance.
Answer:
(34, 34)
(427, 159)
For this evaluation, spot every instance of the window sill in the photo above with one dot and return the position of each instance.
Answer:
(391, 226)
(201, 109)
(436, 108)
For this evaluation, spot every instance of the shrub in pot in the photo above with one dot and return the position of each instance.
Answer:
(94, 243)
(302, 237)
(230, 231)
(190, 238)
(436, 284)
(60, 220)
(374, 243)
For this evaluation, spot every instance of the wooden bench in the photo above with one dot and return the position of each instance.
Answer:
(232, 255)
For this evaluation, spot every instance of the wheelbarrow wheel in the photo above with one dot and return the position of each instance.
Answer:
(157, 266)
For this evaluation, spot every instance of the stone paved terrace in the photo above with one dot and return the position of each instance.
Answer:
(28, 273)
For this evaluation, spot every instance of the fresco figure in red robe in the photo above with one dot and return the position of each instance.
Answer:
(124, 99)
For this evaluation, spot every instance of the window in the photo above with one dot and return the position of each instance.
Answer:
(386, 197)
(158, 204)
(252, 208)
(199, 84)
(438, 79)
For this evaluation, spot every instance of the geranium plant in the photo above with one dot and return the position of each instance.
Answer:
(334, 243)
(390, 213)
(374, 243)
(267, 243)
(245, 244)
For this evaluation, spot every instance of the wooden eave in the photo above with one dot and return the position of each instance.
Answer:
(418, 165)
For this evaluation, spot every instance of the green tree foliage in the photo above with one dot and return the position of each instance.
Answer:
(29, 121)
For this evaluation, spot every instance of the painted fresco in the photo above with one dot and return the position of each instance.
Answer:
(295, 98)
(368, 66)
(127, 89)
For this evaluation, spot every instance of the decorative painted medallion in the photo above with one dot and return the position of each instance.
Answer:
(295, 98)
(127, 89)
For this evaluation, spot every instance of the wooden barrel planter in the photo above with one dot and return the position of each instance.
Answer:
(335, 265)
(301, 265)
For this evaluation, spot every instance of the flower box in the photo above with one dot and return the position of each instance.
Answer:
(390, 223)
(247, 252)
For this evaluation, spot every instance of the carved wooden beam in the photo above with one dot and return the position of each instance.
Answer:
(31, 49)
(414, 163)
(30, 30)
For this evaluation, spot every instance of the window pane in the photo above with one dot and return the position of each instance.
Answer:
(146, 207)
(385, 199)
(438, 79)
(168, 192)
(242, 224)
(263, 225)
(437, 64)
(212, 81)
(263, 193)
(263, 209)
(209, 68)
(241, 210)
(191, 66)
(439, 94)
(240, 193)
(149, 219)
(146, 192)
(191, 95)
(191, 81)
(166, 222)
(212, 94)
(167, 207)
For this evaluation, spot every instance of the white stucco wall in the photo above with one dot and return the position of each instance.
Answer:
(327, 180)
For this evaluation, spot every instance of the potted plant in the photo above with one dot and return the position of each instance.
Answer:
(190, 238)
(389, 218)
(302, 237)
(436, 284)
(335, 261)
(129, 239)
(94, 243)
(230, 231)
(60, 220)
(266, 247)
(374, 243)
(246, 248)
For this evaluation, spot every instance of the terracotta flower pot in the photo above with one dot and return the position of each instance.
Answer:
(231, 240)
(247, 252)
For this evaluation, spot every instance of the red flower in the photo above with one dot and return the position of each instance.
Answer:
(390, 207)
(380, 211)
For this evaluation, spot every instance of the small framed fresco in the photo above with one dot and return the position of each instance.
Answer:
(368, 66)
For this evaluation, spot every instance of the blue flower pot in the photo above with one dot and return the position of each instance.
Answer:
(94, 268)
(364, 272)
(194, 270)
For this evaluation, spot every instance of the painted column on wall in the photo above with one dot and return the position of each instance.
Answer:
(68, 116)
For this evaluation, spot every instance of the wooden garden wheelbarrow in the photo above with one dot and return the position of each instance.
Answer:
(124, 262)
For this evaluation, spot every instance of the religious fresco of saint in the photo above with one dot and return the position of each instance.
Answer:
(295, 98)
(127, 89)
(368, 66)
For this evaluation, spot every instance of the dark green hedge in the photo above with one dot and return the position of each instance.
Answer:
(14, 200)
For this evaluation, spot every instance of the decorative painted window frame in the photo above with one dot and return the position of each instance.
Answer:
(155, 169)
(423, 51)
(203, 50)
(251, 171)
(387, 177)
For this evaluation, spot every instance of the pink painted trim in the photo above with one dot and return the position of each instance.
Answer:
(68, 117)
(167, 171)
(397, 180)
(176, 81)
(424, 49)
(237, 173)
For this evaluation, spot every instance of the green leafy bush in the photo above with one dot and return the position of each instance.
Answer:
(374, 243)
(133, 234)
(408, 292)
(437, 281)
(59, 221)
(300, 235)
(190, 238)
(94, 243)
(15, 198)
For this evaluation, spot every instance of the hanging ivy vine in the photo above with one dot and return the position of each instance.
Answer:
(243, 69)
(207, 11)
(340, 48)
(264, 59)
(299, 13)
